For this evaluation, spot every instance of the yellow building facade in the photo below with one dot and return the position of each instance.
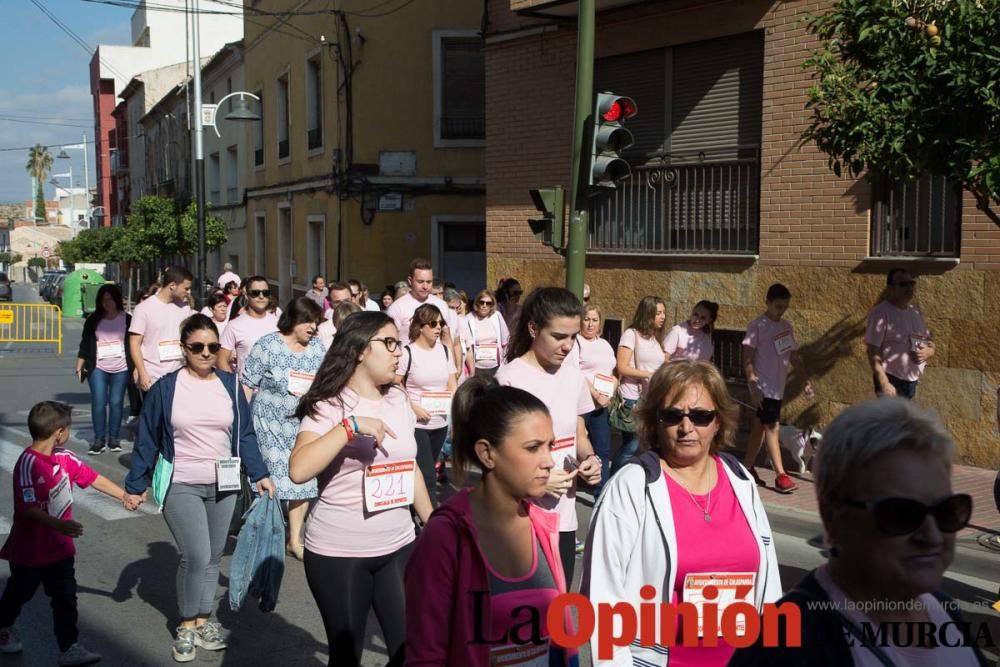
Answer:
(370, 149)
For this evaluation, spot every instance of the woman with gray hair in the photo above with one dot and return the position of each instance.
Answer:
(883, 481)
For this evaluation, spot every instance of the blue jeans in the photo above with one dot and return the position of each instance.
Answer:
(904, 388)
(630, 444)
(107, 395)
(600, 437)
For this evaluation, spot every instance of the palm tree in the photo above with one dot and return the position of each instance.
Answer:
(39, 166)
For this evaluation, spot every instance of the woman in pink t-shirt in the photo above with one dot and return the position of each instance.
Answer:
(484, 336)
(640, 354)
(693, 339)
(428, 373)
(357, 439)
(597, 362)
(488, 553)
(545, 334)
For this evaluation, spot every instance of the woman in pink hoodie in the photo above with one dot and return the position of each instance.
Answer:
(486, 566)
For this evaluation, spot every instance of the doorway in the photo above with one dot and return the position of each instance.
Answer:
(459, 244)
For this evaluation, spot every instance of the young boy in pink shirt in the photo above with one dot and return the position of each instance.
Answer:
(40, 546)
(769, 348)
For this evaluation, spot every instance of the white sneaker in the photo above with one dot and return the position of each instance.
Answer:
(9, 643)
(78, 655)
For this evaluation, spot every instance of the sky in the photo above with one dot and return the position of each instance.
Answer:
(44, 80)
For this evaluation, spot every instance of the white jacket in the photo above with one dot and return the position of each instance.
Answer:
(632, 543)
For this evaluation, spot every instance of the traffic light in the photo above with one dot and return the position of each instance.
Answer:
(549, 228)
(609, 139)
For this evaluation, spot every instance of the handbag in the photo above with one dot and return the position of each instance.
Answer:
(244, 501)
(619, 415)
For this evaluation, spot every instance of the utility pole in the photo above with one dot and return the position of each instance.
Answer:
(576, 246)
(199, 155)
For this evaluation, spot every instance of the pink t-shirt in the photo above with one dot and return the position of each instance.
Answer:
(952, 653)
(111, 334)
(402, 309)
(773, 344)
(595, 356)
(429, 370)
(202, 419)
(556, 391)
(326, 331)
(477, 332)
(647, 356)
(35, 475)
(699, 553)
(339, 525)
(244, 331)
(159, 324)
(685, 342)
(897, 332)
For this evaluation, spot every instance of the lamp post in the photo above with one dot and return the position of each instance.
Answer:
(63, 155)
(69, 191)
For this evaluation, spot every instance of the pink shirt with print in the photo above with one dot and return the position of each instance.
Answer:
(895, 332)
(429, 370)
(159, 322)
(685, 342)
(31, 543)
(112, 331)
(202, 420)
(773, 344)
(244, 331)
(339, 525)
(647, 355)
(595, 356)
(566, 395)
(402, 309)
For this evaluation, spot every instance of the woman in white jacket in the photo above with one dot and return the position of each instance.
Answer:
(681, 516)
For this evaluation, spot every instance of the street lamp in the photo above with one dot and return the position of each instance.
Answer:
(69, 191)
(63, 155)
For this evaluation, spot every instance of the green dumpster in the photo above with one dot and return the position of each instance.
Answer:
(80, 292)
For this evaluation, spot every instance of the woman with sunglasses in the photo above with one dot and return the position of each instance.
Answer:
(545, 334)
(883, 482)
(258, 318)
(193, 419)
(280, 369)
(429, 375)
(484, 336)
(357, 439)
(680, 513)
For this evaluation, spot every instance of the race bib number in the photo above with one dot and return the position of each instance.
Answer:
(527, 655)
(604, 384)
(436, 402)
(917, 342)
(721, 589)
(60, 498)
(486, 352)
(569, 442)
(111, 349)
(227, 474)
(389, 485)
(299, 382)
(784, 342)
(170, 350)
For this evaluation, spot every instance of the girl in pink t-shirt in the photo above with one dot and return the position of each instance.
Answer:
(357, 438)
(428, 373)
(597, 362)
(640, 353)
(545, 334)
(484, 336)
(487, 553)
(693, 339)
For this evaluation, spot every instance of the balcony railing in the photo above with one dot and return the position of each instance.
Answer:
(919, 218)
(463, 127)
(680, 208)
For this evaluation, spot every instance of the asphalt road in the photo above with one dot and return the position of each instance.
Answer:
(126, 562)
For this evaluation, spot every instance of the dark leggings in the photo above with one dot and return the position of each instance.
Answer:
(429, 444)
(58, 579)
(346, 589)
(567, 554)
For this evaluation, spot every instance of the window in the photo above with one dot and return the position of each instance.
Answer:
(214, 179)
(258, 142)
(283, 118)
(459, 89)
(232, 175)
(728, 355)
(316, 248)
(314, 102)
(695, 183)
(919, 218)
(260, 245)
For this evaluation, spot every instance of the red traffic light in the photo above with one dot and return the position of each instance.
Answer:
(620, 109)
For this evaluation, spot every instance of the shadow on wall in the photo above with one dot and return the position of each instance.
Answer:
(819, 356)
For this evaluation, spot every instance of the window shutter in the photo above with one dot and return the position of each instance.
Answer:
(717, 93)
(643, 77)
(463, 114)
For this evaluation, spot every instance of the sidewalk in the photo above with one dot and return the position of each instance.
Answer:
(977, 482)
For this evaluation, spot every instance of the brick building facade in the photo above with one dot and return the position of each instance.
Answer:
(829, 239)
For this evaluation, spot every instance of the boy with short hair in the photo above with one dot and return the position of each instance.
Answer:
(769, 348)
(40, 546)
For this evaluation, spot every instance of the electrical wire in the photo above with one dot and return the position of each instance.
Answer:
(28, 148)
(4, 119)
(72, 35)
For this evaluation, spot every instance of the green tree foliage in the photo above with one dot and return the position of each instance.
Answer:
(10, 257)
(215, 231)
(39, 166)
(38, 263)
(156, 228)
(908, 88)
(90, 245)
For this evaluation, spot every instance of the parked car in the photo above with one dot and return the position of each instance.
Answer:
(56, 291)
(6, 291)
(47, 281)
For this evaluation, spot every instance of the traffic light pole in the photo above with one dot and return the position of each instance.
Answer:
(576, 246)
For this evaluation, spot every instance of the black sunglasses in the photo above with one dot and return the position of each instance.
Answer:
(484, 302)
(906, 283)
(434, 324)
(896, 517)
(259, 292)
(390, 343)
(674, 416)
(198, 348)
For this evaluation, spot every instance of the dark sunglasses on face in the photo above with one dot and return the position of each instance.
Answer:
(674, 416)
(896, 517)
(484, 302)
(434, 324)
(259, 292)
(198, 348)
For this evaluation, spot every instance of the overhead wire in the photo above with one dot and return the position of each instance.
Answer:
(72, 35)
